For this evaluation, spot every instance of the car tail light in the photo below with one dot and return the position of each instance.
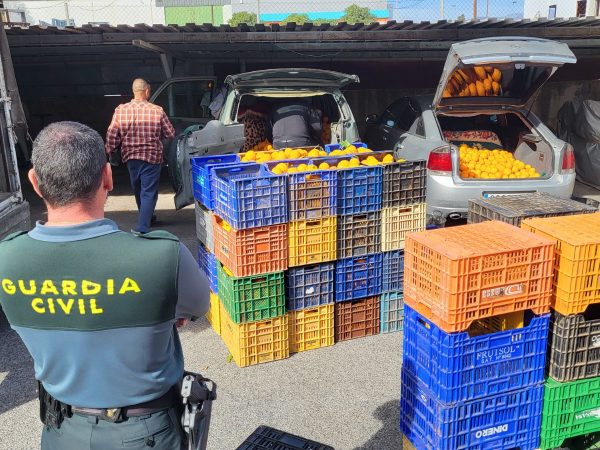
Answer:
(440, 161)
(568, 159)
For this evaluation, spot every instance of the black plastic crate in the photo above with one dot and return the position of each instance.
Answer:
(574, 346)
(404, 183)
(513, 209)
(358, 235)
(267, 438)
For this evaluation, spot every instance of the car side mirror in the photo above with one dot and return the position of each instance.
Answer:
(371, 119)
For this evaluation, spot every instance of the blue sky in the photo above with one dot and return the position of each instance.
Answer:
(420, 10)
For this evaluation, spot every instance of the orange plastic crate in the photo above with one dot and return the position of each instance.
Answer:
(255, 342)
(214, 313)
(252, 251)
(311, 328)
(577, 268)
(454, 276)
(312, 241)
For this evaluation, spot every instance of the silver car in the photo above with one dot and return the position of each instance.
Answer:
(484, 101)
(226, 135)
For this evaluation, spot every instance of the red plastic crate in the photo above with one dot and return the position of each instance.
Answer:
(454, 276)
(356, 319)
(252, 251)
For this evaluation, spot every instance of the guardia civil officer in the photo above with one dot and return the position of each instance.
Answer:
(97, 307)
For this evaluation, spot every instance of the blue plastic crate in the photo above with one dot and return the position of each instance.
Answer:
(201, 176)
(249, 196)
(309, 286)
(457, 367)
(208, 263)
(505, 421)
(393, 271)
(359, 190)
(358, 277)
(392, 312)
(331, 147)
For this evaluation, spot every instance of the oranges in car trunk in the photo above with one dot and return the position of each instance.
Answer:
(492, 164)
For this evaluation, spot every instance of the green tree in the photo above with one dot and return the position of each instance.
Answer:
(461, 18)
(298, 19)
(357, 14)
(243, 17)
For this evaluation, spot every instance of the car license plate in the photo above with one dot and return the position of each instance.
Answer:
(505, 194)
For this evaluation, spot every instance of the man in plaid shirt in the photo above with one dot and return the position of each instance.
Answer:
(137, 128)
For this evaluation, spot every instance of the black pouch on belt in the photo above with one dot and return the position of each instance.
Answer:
(52, 412)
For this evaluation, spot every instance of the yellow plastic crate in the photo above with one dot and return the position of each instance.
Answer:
(214, 313)
(255, 342)
(311, 328)
(397, 222)
(312, 241)
(577, 264)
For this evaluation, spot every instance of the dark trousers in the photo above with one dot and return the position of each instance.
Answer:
(158, 430)
(144, 182)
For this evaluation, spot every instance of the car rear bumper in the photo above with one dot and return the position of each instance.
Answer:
(449, 196)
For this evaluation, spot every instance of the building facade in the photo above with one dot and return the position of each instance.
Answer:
(555, 9)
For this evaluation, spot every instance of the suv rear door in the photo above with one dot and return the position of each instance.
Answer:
(226, 135)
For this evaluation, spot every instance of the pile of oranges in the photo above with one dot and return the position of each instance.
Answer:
(280, 155)
(492, 164)
(286, 167)
(267, 154)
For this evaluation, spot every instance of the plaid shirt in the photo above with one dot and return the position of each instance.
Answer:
(137, 127)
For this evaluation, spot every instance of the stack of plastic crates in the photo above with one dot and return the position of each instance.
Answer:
(204, 205)
(312, 203)
(477, 303)
(359, 261)
(403, 211)
(250, 240)
(514, 208)
(572, 397)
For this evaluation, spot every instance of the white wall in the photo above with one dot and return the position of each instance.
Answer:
(126, 12)
(540, 8)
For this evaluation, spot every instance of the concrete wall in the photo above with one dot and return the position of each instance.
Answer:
(128, 12)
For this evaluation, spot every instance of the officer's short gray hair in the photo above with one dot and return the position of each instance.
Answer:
(68, 159)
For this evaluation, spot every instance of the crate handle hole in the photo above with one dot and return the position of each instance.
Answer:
(259, 280)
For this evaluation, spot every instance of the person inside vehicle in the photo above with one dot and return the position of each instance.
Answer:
(295, 124)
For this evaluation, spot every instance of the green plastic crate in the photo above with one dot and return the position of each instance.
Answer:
(248, 299)
(570, 410)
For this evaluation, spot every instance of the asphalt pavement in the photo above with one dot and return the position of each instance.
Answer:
(345, 396)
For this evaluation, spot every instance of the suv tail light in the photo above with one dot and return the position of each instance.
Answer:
(440, 161)
(568, 159)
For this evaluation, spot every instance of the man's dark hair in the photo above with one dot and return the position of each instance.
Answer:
(68, 159)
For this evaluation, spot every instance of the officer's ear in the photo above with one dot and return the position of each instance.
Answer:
(107, 180)
(34, 182)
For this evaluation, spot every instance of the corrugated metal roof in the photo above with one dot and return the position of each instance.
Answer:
(582, 27)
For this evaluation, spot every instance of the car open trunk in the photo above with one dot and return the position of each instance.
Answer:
(500, 72)
(494, 135)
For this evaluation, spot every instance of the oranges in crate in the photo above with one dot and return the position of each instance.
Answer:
(492, 164)
(280, 155)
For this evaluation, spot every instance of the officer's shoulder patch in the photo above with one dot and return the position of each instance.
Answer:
(14, 235)
(158, 234)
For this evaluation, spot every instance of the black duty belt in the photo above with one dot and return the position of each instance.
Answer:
(166, 401)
